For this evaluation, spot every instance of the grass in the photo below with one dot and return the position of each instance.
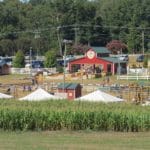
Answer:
(63, 140)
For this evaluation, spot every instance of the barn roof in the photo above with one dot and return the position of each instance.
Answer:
(113, 60)
(96, 60)
(2, 63)
(101, 50)
(68, 85)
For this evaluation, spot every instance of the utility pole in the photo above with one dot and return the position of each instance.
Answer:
(64, 58)
(30, 62)
(59, 41)
(143, 47)
(76, 24)
(64, 75)
(76, 34)
(119, 67)
(37, 36)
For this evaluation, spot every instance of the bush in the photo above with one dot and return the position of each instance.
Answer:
(50, 59)
(19, 60)
(145, 62)
(60, 69)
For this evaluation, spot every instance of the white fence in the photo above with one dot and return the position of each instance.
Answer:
(133, 77)
(46, 71)
(138, 71)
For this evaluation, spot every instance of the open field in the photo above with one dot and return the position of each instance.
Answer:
(63, 140)
(50, 84)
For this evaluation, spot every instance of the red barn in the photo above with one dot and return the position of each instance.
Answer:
(73, 90)
(93, 62)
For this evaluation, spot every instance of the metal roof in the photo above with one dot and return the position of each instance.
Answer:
(2, 63)
(100, 49)
(113, 59)
(68, 85)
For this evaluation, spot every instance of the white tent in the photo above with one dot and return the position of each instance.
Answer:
(147, 103)
(99, 96)
(39, 95)
(5, 96)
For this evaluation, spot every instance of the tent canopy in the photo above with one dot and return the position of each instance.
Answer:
(39, 95)
(5, 96)
(99, 96)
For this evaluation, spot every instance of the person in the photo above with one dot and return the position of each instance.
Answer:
(8, 91)
(33, 81)
(107, 79)
(24, 88)
(29, 88)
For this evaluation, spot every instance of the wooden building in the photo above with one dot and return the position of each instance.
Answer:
(73, 90)
(97, 60)
(4, 68)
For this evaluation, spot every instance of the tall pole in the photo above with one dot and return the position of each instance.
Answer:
(30, 61)
(64, 75)
(143, 48)
(118, 66)
(37, 36)
(64, 58)
(59, 41)
(76, 34)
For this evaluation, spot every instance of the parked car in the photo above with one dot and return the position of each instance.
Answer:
(124, 57)
(8, 60)
(140, 58)
(36, 64)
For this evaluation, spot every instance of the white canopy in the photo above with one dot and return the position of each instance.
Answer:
(5, 96)
(39, 95)
(99, 96)
(147, 103)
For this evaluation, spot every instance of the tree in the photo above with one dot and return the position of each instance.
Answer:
(7, 47)
(116, 46)
(19, 60)
(50, 59)
(79, 49)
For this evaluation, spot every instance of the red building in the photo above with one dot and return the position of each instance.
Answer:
(97, 60)
(73, 90)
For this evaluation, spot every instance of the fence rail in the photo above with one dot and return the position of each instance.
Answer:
(133, 77)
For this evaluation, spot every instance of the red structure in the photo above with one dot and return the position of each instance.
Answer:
(92, 63)
(73, 90)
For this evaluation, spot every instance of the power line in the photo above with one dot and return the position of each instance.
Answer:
(74, 26)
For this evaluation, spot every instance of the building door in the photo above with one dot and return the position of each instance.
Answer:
(108, 68)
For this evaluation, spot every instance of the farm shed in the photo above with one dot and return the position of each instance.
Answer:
(73, 90)
(4, 68)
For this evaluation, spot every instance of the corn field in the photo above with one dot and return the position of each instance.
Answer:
(70, 115)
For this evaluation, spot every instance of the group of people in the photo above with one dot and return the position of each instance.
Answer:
(27, 88)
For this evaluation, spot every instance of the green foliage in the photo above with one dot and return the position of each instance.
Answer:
(60, 69)
(145, 62)
(19, 60)
(50, 59)
(60, 115)
(82, 21)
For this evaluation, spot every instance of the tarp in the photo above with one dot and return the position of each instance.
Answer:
(39, 95)
(99, 96)
(5, 96)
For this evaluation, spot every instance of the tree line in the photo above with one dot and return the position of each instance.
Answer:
(44, 24)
